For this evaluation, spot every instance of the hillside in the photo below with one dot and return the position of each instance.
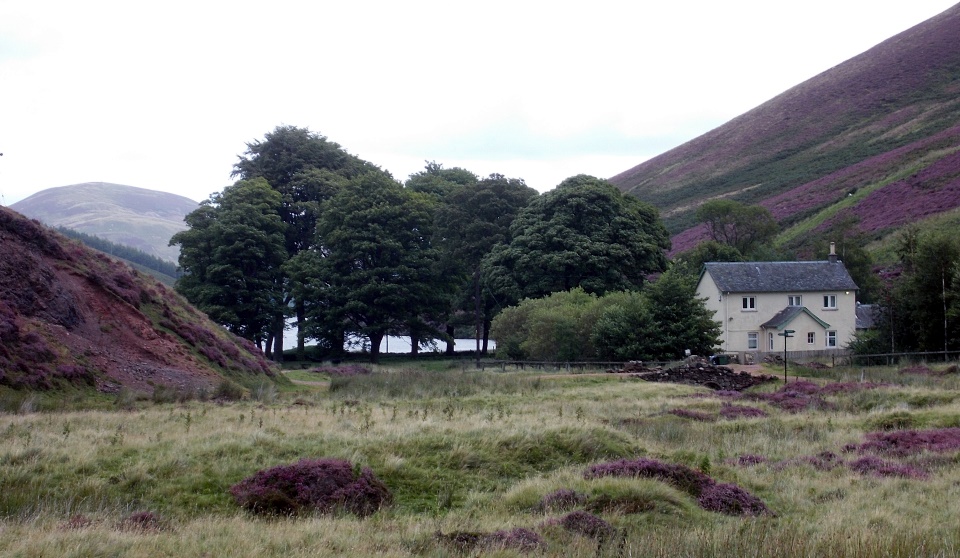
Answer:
(137, 217)
(71, 315)
(876, 138)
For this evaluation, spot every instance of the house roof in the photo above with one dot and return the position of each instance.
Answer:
(867, 316)
(780, 277)
(782, 318)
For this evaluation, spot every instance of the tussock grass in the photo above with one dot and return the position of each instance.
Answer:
(473, 452)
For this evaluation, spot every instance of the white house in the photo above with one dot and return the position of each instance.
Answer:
(754, 302)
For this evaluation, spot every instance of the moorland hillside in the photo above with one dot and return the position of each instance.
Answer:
(875, 140)
(72, 316)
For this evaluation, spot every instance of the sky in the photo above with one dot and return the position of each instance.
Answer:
(166, 95)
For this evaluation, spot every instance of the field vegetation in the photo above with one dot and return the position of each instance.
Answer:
(844, 462)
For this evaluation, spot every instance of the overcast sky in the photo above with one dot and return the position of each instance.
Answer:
(165, 95)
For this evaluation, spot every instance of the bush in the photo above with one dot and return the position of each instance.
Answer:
(730, 499)
(683, 478)
(312, 485)
(587, 524)
(231, 391)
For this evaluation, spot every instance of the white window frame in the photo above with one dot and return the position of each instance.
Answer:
(749, 304)
(794, 300)
(830, 302)
(831, 339)
(811, 338)
(770, 340)
(753, 340)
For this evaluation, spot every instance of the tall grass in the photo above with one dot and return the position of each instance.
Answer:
(476, 453)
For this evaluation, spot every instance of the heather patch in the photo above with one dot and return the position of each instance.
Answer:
(749, 460)
(586, 524)
(312, 485)
(873, 465)
(795, 397)
(730, 499)
(904, 443)
(725, 499)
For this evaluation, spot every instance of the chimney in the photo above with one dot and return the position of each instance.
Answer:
(833, 253)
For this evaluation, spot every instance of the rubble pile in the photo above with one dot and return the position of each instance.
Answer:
(698, 373)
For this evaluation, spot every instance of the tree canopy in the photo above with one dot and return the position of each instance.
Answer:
(231, 256)
(745, 227)
(585, 233)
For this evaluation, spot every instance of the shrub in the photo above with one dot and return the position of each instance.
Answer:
(518, 538)
(229, 390)
(683, 478)
(317, 485)
(730, 499)
(586, 524)
(910, 442)
(872, 465)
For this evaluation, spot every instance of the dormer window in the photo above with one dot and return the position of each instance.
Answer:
(794, 300)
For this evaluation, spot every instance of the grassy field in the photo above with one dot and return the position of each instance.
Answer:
(468, 454)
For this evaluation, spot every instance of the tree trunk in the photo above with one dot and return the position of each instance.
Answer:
(278, 343)
(486, 335)
(414, 342)
(375, 339)
(301, 326)
(268, 347)
(450, 342)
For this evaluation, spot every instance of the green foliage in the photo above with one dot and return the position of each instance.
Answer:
(584, 233)
(231, 256)
(743, 227)
(660, 323)
(378, 269)
(691, 261)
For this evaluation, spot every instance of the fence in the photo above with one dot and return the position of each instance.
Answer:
(898, 358)
(559, 366)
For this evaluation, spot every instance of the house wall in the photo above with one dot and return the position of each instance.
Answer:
(737, 323)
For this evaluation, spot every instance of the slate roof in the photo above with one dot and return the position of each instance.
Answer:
(785, 316)
(780, 277)
(867, 315)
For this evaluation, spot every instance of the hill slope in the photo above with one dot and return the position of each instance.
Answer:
(137, 217)
(877, 137)
(69, 314)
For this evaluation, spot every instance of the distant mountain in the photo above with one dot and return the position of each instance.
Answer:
(137, 217)
(71, 315)
(875, 139)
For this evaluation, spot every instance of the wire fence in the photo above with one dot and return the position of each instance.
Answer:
(890, 359)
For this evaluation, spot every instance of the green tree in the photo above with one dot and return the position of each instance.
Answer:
(625, 328)
(745, 227)
(691, 261)
(925, 297)
(585, 233)
(306, 169)
(377, 269)
(231, 256)
(470, 221)
(683, 320)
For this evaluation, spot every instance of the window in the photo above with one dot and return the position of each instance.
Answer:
(831, 338)
(830, 301)
(811, 338)
(793, 300)
(770, 339)
(753, 339)
(749, 303)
